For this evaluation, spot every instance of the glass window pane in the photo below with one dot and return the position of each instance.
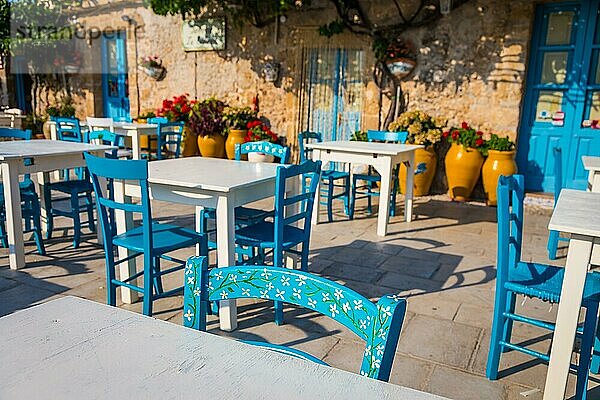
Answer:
(554, 67)
(594, 106)
(560, 24)
(548, 103)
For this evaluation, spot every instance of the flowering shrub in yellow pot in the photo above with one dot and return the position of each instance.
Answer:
(424, 130)
(500, 161)
(463, 161)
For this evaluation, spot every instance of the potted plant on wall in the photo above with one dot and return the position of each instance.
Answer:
(500, 160)
(178, 110)
(258, 131)
(206, 122)
(152, 66)
(399, 55)
(236, 119)
(463, 161)
(422, 129)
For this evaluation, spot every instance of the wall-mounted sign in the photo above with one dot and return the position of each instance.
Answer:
(203, 34)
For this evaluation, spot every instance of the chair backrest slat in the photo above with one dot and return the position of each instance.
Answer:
(378, 324)
(277, 150)
(13, 133)
(304, 138)
(106, 137)
(124, 118)
(510, 221)
(68, 129)
(385, 136)
(156, 120)
(169, 134)
(310, 173)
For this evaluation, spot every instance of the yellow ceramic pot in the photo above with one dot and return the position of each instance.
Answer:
(423, 180)
(463, 166)
(189, 143)
(212, 145)
(235, 136)
(498, 163)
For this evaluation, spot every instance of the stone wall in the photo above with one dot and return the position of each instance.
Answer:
(471, 64)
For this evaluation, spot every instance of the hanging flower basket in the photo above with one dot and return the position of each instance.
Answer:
(71, 69)
(401, 67)
(157, 73)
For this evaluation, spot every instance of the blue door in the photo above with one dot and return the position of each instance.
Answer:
(115, 85)
(333, 92)
(562, 94)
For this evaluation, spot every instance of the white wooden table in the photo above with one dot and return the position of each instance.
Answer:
(73, 348)
(135, 131)
(592, 166)
(45, 155)
(381, 156)
(202, 182)
(577, 213)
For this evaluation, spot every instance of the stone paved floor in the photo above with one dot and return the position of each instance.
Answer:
(443, 262)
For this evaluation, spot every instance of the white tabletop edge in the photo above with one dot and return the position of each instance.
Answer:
(44, 148)
(364, 147)
(591, 163)
(576, 212)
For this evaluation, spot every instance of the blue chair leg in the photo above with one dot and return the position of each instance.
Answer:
(304, 257)
(278, 312)
(111, 288)
(347, 195)
(3, 235)
(352, 200)
(37, 228)
(369, 198)
(148, 282)
(498, 329)
(589, 333)
(595, 367)
(76, 219)
(552, 244)
(49, 213)
(511, 300)
(90, 211)
(330, 193)
(157, 282)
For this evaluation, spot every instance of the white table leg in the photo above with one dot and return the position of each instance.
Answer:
(226, 257)
(197, 219)
(14, 218)
(42, 179)
(594, 181)
(410, 178)
(385, 170)
(125, 222)
(578, 259)
(135, 145)
(317, 202)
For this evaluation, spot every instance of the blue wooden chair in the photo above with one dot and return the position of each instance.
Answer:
(379, 325)
(287, 231)
(124, 118)
(554, 236)
(76, 190)
(277, 150)
(245, 215)
(168, 138)
(151, 240)
(109, 138)
(153, 139)
(30, 202)
(329, 176)
(372, 178)
(543, 282)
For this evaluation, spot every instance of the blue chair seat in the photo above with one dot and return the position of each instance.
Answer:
(262, 235)
(77, 185)
(286, 350)
(368, 178)
(27, 189)
(165, 238)
(333, 174)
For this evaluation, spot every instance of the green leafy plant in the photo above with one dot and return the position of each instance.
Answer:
(466, 136)
(238, 117)
(333, 28)
(498, 143)
(359, 136)
(422, 128)
(64, 108)
(146, 115)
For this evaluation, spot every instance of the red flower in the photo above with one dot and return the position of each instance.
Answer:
(479, 142)
(464, 125)
(595, 124)
(446, 134)
(455, 135)
(479, 133)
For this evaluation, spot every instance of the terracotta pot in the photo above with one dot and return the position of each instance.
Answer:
(498, 163)
(260, 157)
(425, 164)
(235, 136)
(212, 145)
(463, 166)
(189, 143)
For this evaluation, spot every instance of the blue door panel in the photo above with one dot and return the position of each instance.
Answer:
(115, 83)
